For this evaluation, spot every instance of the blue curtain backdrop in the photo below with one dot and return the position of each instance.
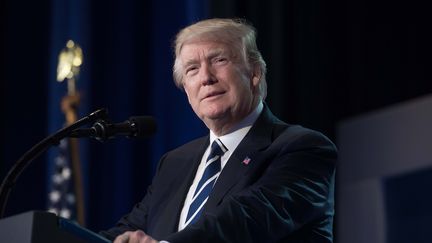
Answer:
(126, 69)
(131, 74)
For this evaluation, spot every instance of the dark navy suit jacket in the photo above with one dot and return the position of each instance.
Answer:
(284, 194)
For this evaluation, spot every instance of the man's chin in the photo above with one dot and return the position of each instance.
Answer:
(215, 116)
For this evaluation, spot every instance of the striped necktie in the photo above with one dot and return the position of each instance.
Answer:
(207, 181)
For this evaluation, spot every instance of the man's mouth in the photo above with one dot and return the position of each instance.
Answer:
(213, 94)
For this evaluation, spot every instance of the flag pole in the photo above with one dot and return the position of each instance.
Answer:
(70, 60)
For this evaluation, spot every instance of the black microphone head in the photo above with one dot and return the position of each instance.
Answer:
(145, 126)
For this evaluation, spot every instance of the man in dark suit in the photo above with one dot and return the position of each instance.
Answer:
(254, 178)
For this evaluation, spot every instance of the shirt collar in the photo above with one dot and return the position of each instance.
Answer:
(239, 131)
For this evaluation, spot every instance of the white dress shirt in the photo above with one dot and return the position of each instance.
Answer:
(231, 141)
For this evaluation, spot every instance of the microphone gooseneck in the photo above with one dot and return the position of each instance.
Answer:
(138, 126)
(134, 127)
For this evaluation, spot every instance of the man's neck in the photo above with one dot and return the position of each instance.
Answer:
(229, 127)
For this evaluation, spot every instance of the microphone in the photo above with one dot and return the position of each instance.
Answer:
(134, 127)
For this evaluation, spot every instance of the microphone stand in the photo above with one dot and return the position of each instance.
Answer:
(10, 179)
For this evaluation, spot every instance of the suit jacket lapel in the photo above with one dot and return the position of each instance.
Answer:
(257, 139)
(172, 212)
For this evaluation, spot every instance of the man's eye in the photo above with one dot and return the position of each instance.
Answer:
(190, 70)
(221, 60)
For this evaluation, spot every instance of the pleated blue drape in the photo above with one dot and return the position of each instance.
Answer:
(126, 69)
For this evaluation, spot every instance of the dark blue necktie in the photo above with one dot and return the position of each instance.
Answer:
(207, 181)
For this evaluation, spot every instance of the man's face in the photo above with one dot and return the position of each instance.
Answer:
(220, 86)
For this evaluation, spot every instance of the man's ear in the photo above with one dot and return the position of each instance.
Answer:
(256, 75)
(187, 94)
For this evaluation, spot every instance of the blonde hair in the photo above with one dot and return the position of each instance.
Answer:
(233, 32)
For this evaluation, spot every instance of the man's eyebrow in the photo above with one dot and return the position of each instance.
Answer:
(216, 52)
(211, 54)
(190, 62)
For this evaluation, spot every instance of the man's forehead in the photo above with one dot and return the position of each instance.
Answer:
(206, 48)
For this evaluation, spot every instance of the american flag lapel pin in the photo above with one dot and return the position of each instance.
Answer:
(246, 160)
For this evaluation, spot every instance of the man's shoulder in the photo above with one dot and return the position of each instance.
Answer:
(193, 145)
(299, 136)
(185, 154)
(282, 130)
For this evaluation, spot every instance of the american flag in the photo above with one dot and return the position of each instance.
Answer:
(61, 197)
(246, 160)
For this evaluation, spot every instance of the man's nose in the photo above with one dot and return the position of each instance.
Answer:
(207, 76)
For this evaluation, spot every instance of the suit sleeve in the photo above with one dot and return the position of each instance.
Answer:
(136, 219)
(295, 190)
